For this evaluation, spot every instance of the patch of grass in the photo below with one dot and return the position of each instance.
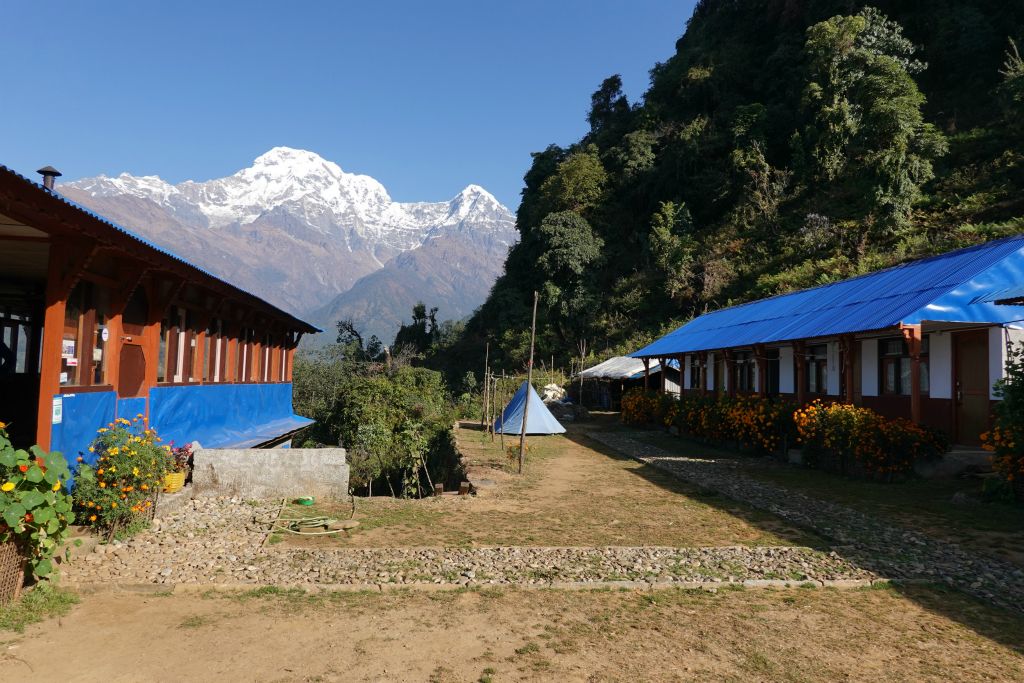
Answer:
(487, 675)
(43, 602)
(528, 649)
(194, 621)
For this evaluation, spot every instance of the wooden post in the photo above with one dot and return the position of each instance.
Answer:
(799, 351)
(663, 362)
(849, 346)
(647, 373)
(487, 393)
(529, 386)
(703, 368)
(912, 334)
(53, 329)
(761, 358)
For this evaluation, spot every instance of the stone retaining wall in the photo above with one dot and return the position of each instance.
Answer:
(270, 473)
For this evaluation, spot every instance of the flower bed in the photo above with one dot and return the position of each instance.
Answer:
(836, 437)
(851, 440)
(1006, 439)
(762, 424)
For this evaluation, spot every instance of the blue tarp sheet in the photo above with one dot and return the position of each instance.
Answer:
(223, 415)
(539, 421)
(81, 415)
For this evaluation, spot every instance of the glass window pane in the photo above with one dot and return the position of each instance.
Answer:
(889, 377)
(905, 376)
(925, 379)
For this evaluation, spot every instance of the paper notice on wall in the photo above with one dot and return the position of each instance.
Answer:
(97, 355)
(72, 362)
(67, 348)
(57, 416)
(63, 378)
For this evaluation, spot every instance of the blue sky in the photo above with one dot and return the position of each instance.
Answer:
(427, 97)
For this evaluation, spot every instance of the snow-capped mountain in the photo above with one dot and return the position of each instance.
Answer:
(299, 231)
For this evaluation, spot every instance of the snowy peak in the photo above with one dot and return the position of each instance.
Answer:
(314, 193)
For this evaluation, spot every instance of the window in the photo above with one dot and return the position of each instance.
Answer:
(817, 369)
(245, 353)
(265, 362)
(176, 362)
(284, 364)
(894, 364)
(696, 368)
(15, 343)
(744, 371)
(214, 352)
(83, 345)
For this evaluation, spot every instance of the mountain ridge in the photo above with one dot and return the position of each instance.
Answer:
(297, 230)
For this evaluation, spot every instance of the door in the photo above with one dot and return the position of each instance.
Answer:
(972, 384)
(131, 359)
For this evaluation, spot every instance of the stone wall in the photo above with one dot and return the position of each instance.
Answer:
(269, 473)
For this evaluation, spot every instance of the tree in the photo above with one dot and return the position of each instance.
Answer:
(866, 131)
(577, 184)
(673, 249)
(420, 333)
(570, 251)
(609, 108)
(1012, 87)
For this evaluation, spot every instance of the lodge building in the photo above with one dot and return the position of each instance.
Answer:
(925, 340)
(97, 323)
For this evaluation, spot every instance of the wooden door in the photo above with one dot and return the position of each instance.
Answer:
(131, 376)
(972, 385)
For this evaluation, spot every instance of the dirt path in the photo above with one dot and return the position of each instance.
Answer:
(575, 492)
(798, 634)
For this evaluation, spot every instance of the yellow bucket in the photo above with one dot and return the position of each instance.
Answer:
(173, 482)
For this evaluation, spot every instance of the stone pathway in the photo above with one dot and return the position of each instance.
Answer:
(223, 542)
(866, 542)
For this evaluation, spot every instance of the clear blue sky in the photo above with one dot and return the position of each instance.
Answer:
(425, 96)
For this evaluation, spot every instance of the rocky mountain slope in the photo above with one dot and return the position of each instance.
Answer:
(302, 233)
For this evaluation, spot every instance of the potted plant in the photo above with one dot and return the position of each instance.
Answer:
(116, 492)
(35, 511)
(179, 461)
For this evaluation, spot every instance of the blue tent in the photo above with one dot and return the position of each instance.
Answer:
(540, 419)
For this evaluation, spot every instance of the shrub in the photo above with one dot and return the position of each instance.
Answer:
(35, 508)
(130, 467)
(849, 439)
(1006, 439)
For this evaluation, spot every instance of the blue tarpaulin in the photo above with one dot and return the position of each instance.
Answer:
(223, 415)
(80, 416)
(539, 420)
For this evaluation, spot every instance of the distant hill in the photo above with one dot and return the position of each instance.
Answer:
(298, 231)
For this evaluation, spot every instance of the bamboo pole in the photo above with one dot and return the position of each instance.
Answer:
(529, 386)
(487, 394)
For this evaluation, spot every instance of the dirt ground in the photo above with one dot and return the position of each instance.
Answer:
(491, 635)
(575, 492)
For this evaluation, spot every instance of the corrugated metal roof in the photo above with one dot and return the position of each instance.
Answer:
(623, 367)
(939, 288)
(152, 245)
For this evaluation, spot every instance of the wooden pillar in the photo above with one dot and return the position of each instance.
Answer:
(849, 346)
(912, 334)
(800, 362)
(729, 373)
(53, 331)
(647, 373)
(761, 358)
(703, 366)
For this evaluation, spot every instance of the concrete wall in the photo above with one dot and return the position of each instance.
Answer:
(269, 473)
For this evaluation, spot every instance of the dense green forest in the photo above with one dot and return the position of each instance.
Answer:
(786, 143)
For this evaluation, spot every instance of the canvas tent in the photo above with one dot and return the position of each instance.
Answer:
(604, 384)
(539, 420)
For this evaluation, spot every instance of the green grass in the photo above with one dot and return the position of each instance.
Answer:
(44, 602)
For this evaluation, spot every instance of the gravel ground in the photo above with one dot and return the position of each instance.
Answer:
(222, 541)
(868, 543)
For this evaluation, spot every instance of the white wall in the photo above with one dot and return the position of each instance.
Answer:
(832, 368)
(686, 371)
(940, 365)
(996, 356)
(786, 370)
(869, 367)
(710, 371)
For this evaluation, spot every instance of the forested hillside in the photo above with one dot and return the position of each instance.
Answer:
(786, 143)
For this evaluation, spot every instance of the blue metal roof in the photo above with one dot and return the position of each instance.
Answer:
(152, 245)
(954, 287)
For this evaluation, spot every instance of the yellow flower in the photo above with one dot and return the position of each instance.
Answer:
(114, 504)
(102, 429)
(3, 425)
(56, 486)
(8, 486)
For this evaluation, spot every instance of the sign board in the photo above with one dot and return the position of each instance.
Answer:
(57, 416)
